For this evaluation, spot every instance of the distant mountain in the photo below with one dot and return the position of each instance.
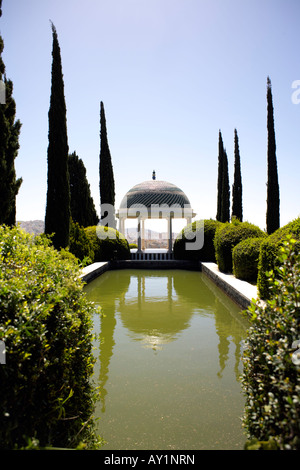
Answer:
(152, 239)
(37, 226)
(131, 233)
(32, 226)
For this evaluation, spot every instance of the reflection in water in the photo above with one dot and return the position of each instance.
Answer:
(227, 326)
(107, 294)
(150, 310)
(156, 309)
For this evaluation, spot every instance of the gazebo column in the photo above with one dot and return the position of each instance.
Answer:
(143, 234)
(139, 240)
(170, 234)
(122, 225)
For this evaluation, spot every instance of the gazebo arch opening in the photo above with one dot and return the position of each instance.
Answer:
(150, 200)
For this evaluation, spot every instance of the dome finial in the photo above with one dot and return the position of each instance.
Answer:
(153, 175)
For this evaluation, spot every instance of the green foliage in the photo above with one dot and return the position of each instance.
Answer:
(107, 182)
(237, 190)
(271, 379)
(273, 201)
(207, 252)
(269, 251)
(57, 215)
(132, 246)
(80, 244)
(82, 205)
(223, 204)
(107, 243)
(245, 259)
(46, 393)
(227, 236)
(9, 146)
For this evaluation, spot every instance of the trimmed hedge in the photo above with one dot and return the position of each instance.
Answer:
(189, 235)
(228, 235)
(107, 243)
(271, 373)
(269, 251)
(245, 259)
(46, 394)
(80, 244)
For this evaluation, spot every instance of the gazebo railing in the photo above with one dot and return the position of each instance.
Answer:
(152, 256)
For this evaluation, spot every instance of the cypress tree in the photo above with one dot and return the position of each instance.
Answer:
(223, 198)
(225, 203)
(237, 190)
(82, 205)
(57, 218)
(220, 177)
(9, 145)
(273, 211)
(107, 184)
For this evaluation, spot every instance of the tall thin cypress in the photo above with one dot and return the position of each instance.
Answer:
(223, 197)
(225, 203)
(57, 218)
(273, 202)
(9, 145)
(237, 190)
(220, 177)
(107, 183)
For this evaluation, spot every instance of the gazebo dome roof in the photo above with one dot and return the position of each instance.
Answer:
(154, 192)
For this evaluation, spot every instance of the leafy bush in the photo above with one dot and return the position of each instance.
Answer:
(228, 235)
(107, 243)
(46, 394)
(269, 251)
(189, 235)
(271, 379)
(245, 259)
(132, 246)
(80, 244)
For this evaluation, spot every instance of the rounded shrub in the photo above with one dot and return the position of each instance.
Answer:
(228, 235)
(188, 238)
(271, 372)
(46, 393)
(132, 246)
(107, 243)
(269, 251)
(245, 259)
(80, 244)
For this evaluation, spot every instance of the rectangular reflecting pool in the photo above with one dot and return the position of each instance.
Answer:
(168, 360)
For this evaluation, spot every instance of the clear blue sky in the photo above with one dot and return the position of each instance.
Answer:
(171, 73)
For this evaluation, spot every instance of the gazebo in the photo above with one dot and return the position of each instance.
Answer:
(154, 199)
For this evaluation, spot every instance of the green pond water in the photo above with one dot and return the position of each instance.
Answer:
(168, 361)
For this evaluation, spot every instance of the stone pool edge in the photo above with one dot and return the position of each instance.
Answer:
(240, 291)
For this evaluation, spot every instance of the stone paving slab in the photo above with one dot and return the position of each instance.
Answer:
(94, 270)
